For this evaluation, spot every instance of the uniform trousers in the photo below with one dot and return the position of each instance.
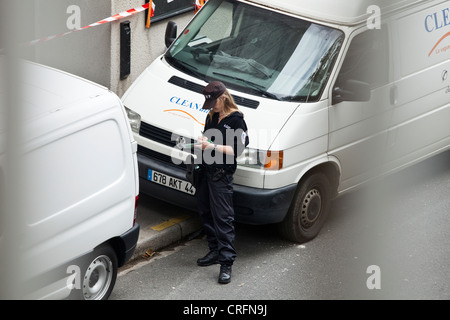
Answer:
(215, 204)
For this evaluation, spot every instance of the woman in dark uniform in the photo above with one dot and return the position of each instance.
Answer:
(224, 138)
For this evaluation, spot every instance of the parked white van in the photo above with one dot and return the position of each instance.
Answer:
(78, 184)
(333, 94)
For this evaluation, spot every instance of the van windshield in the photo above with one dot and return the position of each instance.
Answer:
(257, 51)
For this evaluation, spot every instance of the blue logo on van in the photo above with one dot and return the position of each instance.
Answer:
(436, 21)
(187, 105)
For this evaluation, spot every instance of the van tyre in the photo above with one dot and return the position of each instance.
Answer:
(308, 210)
(98, 275)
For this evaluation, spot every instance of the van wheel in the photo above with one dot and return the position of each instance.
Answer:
(308, 210)
(98, 275)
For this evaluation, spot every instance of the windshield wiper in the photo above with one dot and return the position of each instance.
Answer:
(192, 70)
(296, 98)
(254, 86)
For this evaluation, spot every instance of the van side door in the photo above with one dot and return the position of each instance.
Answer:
(360, 107)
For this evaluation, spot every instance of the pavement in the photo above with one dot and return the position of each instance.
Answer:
(162, 224)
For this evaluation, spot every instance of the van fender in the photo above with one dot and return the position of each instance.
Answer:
(329, 165)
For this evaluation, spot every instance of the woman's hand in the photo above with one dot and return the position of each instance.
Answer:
(203, 143)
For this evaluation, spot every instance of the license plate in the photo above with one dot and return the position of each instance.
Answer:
(171, 182)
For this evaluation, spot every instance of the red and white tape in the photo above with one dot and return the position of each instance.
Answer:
(115, 17)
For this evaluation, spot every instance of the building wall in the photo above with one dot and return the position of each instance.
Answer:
(85, 53)
(94, 53)
(146, 44)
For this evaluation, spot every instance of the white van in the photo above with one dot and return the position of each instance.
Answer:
(333, 95)
(78, 187)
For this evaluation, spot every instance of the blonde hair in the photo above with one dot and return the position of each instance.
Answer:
(229, 106)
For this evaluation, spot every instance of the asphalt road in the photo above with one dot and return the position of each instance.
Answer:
(390, 240)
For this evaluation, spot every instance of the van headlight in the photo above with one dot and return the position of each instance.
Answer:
(135, 119)
(261, 159)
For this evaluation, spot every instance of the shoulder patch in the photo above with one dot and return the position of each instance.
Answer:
(243, 136)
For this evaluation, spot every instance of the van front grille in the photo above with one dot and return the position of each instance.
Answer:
(156, 134)
(160, 135)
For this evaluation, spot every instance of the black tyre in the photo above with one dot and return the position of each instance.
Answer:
(308, 210)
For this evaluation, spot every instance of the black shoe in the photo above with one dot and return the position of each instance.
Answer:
(210, 259)
(225, 274)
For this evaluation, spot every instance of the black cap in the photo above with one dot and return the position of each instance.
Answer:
(211, 92)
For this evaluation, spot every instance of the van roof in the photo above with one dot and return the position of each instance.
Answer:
(44, 89)
(343, 12)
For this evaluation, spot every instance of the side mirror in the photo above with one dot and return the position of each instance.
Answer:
(171, 33)
(354, 91)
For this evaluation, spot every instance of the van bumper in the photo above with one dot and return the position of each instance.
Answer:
(128, 242)
(253, 206)
(262, 206)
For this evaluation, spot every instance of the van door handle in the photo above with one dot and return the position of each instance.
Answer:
(394, 95)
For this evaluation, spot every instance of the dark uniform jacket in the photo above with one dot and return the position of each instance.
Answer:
(231, 131)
